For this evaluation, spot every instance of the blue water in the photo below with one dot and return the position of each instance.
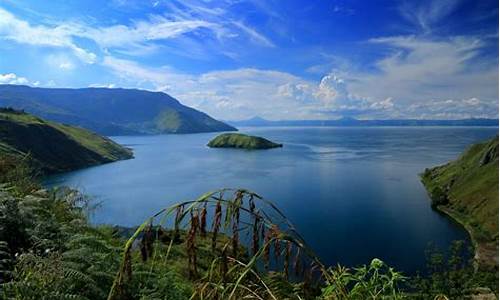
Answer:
(353, 193)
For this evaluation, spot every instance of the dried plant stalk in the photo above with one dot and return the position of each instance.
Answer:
(216, 224)
(228, 277)
(286, 263)
(203, 221)
(267, 248)
(255, 236)
(191, 245)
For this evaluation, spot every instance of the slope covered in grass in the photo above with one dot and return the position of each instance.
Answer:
(467, 190)
(52, 146)
(238, 140)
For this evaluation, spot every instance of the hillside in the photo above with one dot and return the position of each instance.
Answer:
(243, 141)
(467, 190)
(111, 111)
(55, 147)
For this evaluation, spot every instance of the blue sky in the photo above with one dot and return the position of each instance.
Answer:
(275, 59)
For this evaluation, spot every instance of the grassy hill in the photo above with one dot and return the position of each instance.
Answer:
(52, 146)
(467, 190)
(238, 140)
(111, 111)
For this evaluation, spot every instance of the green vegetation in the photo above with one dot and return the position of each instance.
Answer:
(191, 250)
(243, 141)
(111, 111)
(467, 190)
(453, 276)
(54, 147)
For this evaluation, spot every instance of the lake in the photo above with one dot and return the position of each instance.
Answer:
(352, 192)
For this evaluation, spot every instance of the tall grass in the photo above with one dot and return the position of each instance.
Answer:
(262, 268)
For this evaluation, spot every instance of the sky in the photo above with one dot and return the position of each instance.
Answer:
(287, 59)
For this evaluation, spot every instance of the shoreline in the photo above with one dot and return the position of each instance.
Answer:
(483, 258)
(485, 253)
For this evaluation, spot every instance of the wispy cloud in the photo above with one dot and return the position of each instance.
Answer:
(421, 72)
(141, 74)
(257, 37)
(428, 13)
(141, 37)
(158, 28)
(20, 31)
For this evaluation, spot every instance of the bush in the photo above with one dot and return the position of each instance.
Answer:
(439, 197)
(453, 276)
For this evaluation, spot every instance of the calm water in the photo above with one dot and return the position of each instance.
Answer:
(353, 193)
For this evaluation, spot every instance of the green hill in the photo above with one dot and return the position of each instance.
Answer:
(467, 190)
(111, 111)
(52, 146)
(238, 140)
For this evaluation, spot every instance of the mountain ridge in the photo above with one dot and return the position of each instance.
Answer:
(350, 121)
(116, 111)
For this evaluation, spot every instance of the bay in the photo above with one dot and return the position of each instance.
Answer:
(354, 193)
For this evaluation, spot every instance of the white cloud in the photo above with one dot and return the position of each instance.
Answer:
(159, 77)
(99, 85)
(141, 37)
(11, 78)
(254, 35)
(385, 104)
(413, 84)
(158, 28)
(246, 92)
(423, 71)
(425, 14)
(232, 94)
(14, 29)
(61, 61)
(454, 109)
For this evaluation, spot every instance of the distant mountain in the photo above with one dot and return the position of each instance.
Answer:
(54, 147)
(347, 121)
(111, 111)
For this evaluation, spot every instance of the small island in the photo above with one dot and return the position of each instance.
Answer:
(242, 141)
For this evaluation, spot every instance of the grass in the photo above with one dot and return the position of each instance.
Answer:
(55, 147)
(238, 140)
(467, 190)
(98, 144)
(262, 270)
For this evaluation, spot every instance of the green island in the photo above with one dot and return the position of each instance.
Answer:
(242, 141)
(52, 146)
(467, 190)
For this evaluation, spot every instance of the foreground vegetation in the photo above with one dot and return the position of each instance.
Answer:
(243, 141)
(467, 190)
(48, 250)
(54, 147)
